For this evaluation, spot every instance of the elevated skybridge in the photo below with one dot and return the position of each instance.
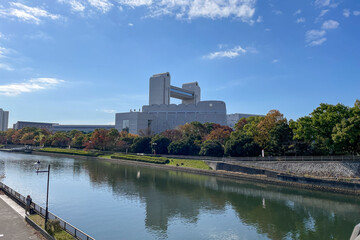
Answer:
(180, 93)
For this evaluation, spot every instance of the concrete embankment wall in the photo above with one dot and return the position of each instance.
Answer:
(287, 177)
(338, 169)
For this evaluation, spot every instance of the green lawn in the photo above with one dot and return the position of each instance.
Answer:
(70, 151)
(58, 235)
(199, 164)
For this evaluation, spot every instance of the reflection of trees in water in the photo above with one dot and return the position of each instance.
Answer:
(25, 162)
(294, 214)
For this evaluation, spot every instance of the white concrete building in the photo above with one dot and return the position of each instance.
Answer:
(4, 120)
(161, 115)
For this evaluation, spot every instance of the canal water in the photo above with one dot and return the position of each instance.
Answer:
(115, 201)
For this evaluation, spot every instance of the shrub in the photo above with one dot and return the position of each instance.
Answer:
(160, 144)
(159, 160)
(70, 151)
(141, 145)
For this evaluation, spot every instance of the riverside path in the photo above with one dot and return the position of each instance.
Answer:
(12, 222)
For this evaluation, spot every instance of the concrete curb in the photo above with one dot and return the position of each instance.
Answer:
(38, 228)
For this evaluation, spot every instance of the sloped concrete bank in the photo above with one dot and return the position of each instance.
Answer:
(247, 173)
(333, 169)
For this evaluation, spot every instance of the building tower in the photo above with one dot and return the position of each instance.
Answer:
(4, 120)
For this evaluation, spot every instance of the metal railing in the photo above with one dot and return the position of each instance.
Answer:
(73, 231)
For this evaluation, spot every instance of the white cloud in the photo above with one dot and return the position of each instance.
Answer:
(323, 12)
(259, 19)
(231, 53)
(6, 67)
(136, 3)
(330, 24)
(315, 37)
(130, 24)
(346, 13)
(275, 61)
(102, 5)
(2, 36)
(356, 13)
(297, 12)
(3, 52)
(32, 85)
(26, 13)
(75, 5)
(317, 42)
(106, 110)
(277, 12)
(322, 3)
(300, 20)
(314, 34)
(189, 9)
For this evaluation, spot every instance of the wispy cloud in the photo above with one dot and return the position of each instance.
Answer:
(76, 6)
(102, 5)
(2, 36)
(231, 53)
(297, 12)
(106, 110)
(317, 42)
(300, 20)
(26, 13)
(315, 37)
(346, 13)
(32, 85)
(277, 12)
(323, 12)
(190, 9)
(322, 3)
(275, 61)
(6, 67)
(130, 24)
(39, 36)
(356, 13)
(330, 24)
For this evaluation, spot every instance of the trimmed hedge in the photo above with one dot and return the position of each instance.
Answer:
(70, 151)
(140, 158)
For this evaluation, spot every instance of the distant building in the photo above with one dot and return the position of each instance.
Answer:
(233, 118)
(55, 127)
(160, 115)
(22, 124)
(4, 120)
(82, 128)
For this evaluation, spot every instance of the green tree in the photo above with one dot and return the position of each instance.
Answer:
(346, 135)
(141, 145)
(211, 148)
(159, 144)
(242, 145)
(186, 146)
(280, 139)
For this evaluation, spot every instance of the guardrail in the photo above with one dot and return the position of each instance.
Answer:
(73, 231)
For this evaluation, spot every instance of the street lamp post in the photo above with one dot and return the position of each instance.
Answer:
(37, 167)
(154, 146)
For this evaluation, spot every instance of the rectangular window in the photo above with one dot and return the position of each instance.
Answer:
(126, 124)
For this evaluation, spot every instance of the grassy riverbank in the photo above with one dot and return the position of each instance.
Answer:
(54, 229)
(189, 163)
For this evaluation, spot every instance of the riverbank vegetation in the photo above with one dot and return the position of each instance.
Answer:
(53, 229)
(70, 151)
(328, 130)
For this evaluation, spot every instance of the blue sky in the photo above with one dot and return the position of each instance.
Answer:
(80, 61)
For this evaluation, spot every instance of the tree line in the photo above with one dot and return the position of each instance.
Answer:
(328, 130)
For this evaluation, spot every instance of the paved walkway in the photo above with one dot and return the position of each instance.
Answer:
(12, 221)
